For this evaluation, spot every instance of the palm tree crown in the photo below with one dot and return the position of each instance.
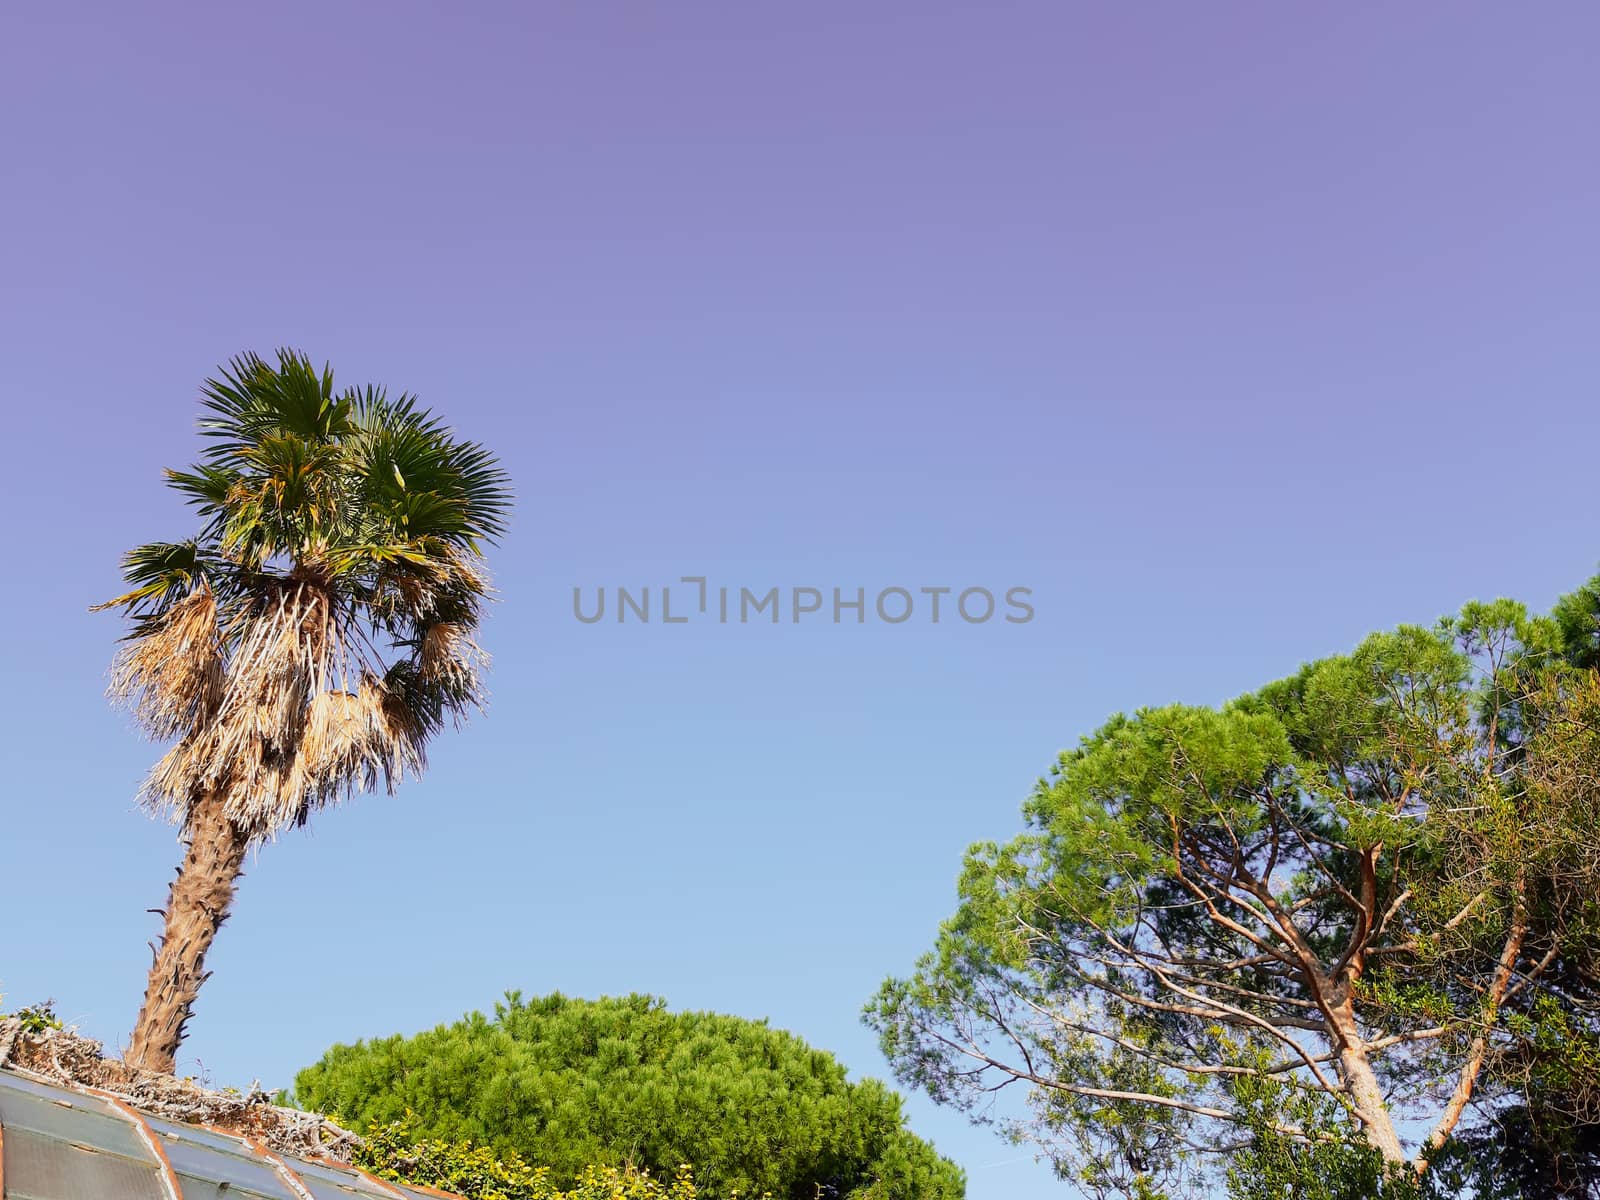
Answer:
(319, 629)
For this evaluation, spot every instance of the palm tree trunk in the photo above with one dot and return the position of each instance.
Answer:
(197, 905)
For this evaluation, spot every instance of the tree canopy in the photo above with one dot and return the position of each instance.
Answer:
(318, 630)
(567, 1083)
(1340, 909)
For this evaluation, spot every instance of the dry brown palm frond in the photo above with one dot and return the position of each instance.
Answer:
(301, 715)
(170, 786)
(448, 653)
(350, 742)
(282, 660)
(279, 662)
(406, 733)
(469, 583)
(334, 750)
(449, 586)
(172, 678)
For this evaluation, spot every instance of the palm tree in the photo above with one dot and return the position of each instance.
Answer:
(308, 642)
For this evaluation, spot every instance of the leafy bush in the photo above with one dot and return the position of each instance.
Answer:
(35, 1018)
(577, 1085)
(394, 1151)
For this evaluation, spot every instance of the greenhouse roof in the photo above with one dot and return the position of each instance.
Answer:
(78, 1143)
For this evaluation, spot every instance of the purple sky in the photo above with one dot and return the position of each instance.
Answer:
(1233, 330)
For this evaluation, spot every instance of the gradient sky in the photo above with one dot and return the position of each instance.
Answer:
(1232, 330)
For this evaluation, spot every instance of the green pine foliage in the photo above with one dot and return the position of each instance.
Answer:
(572, 1085)
(1328, 1164)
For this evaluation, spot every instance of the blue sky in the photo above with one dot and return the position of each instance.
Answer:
(1232, 331)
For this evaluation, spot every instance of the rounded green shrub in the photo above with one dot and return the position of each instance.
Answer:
(570, 1084)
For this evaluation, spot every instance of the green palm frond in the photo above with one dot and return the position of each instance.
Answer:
(290, 496)
(403, 453)
(207, 487)
(253, 400)
(161, 573)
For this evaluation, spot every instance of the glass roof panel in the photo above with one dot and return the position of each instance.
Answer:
(69, 1117)
(347, 1182)
(207, 1157)
(43, 1168)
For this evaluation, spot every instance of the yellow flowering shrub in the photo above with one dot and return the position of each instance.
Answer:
(394, 1152)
